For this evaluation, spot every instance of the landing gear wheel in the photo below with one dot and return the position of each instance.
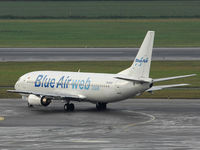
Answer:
(69, 107)
(30, 106)
(66, 107)
(101, 106)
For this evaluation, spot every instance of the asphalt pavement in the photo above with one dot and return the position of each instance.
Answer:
(133, 124)
(94, 54)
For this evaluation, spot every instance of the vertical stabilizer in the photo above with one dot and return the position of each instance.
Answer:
(141, 65)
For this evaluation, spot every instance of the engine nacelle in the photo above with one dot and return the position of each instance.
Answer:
(45, 101)
(40, 101)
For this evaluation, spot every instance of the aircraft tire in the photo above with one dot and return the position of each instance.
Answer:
(101, 106)
(30, 106)
(66, 107)
(69, 107)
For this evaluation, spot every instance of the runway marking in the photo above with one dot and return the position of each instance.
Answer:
(87, 141)
(152, 118)
(2, 118)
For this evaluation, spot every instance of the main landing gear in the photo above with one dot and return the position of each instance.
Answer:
(69, 107)
(101, 106)
(29, 105)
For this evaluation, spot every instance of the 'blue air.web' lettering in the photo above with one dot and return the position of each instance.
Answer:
(63, 82)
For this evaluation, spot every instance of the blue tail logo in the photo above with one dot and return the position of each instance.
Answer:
(140, 61)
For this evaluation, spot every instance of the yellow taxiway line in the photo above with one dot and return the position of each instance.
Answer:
(152, 118)
(1, 118)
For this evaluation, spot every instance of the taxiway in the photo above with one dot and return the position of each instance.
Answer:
(94, 54)
(132, 124)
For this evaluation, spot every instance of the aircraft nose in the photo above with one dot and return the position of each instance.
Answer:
(17, 85)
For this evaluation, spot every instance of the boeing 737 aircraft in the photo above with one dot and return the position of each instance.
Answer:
(43, 87)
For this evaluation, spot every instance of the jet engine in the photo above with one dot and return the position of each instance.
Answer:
(36, 100)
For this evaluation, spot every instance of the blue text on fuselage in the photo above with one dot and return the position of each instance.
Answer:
(63, 82)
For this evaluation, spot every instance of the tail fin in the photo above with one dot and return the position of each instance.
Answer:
(141, 65)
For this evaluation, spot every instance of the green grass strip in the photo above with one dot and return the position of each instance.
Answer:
(11, 71)
(99, 9)
(98, 33)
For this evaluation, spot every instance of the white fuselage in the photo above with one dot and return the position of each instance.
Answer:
(94, 87)
(42, 87)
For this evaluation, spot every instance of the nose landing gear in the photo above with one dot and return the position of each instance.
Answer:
(69, 107)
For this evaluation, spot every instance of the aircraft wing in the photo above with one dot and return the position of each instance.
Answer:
(160, 87)
(53, 95)
(171, 78)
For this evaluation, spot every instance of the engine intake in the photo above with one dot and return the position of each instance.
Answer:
(45, 101)
(40, 101)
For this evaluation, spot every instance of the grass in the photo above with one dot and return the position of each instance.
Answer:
(11, 71)
(98, 33)
(99, 9)
(173, 94)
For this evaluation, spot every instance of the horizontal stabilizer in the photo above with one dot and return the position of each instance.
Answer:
(142, 80)
(171, 78)
(160, 87)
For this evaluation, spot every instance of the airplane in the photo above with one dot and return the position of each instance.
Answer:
(43, 87)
